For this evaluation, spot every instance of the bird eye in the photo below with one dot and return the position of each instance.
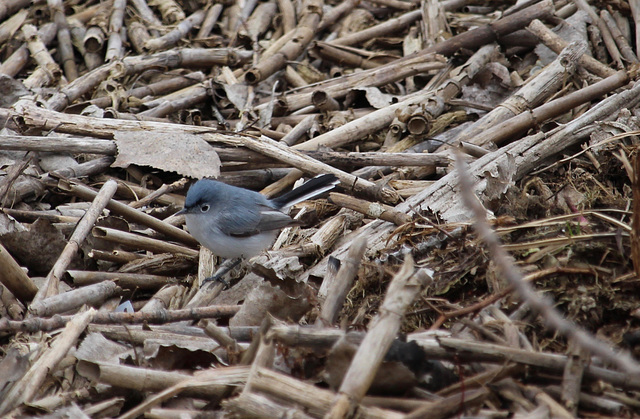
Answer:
(204, 208)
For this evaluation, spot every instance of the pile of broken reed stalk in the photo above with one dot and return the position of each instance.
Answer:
(395, 298)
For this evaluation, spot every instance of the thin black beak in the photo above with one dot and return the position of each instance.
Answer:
(182, 211)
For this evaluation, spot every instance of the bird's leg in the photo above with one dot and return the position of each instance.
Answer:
(224, 269)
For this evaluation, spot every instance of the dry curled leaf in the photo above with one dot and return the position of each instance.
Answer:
(185, 154)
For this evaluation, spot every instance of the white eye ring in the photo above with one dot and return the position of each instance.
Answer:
(204, 208)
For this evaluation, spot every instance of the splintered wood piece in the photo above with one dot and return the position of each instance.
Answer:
(341, 284)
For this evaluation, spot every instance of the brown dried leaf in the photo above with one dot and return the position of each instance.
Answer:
(11, 90)
(38, 248)
(96, 348)
(185, 154)
(269, 299)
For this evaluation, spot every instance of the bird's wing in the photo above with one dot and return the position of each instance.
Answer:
(273, 219)
(248, 223)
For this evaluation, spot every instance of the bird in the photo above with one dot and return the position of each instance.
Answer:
(234, 222)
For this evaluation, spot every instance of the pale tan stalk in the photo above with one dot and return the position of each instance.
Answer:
(404, 287)
(342, 56)
(40, 54)
(341, 284)
(448, 406)
(25, 389)
(170, 10)
(378, 76)
(97, 29)
(129, 213)
(538, 89)
(282, 184)
(150, 380)
(10, 7)
(139, 193)
(382, 29)
(604, 30)
(336, 13)
(253, 405)
(39, 78)
(635, 12)
(15, 279)
(188, 95)
(12, 306)
(164, 189)
(287, 14)
(10, 26)
(381, 118)
(316, 401)
(155, 89)
(294, 79)
(198, 94)
(139, 242)
(147, 15)
(370, 209)
(61, 303)
(232, 14)
(16, 61)
(620, 39)
(71, 145)
(556, 44)
(210, 19)
(434, 22)
(83, 228)
(87, 13)
(577, 360)
(259, 21)
(114, 46)
(117, 256)
(161, 300)
(123, 280)
(509, 128)
(395, 4)
(78, 32)
(138, 36)
(221, 336)
(64, 39)
(305, 31)
(180, 31)
(323, 102)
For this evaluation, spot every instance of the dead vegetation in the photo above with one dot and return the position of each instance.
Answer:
(395, 298)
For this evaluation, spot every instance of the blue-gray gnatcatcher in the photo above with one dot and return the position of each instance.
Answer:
(234, 222)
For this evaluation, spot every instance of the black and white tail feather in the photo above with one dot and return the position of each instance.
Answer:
(310, 189)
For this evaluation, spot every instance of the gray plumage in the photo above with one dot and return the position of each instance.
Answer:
(236, 222)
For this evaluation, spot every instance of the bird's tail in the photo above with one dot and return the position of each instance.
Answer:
(308, 190)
